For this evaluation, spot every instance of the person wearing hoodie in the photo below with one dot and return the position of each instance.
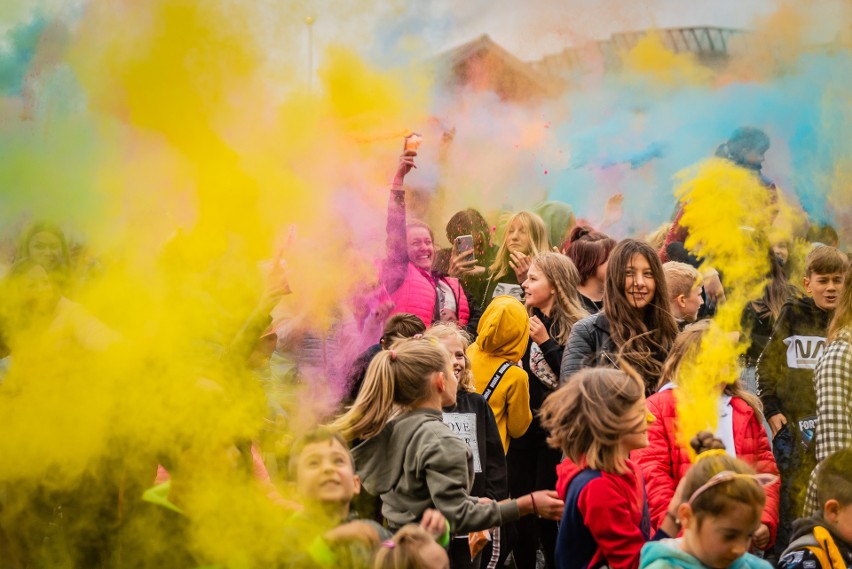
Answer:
(501, 341)
(597, 419)
(473, 421)
(785, 379)
(414, 461)
(665, 462)
(824, 540)
(723, 502)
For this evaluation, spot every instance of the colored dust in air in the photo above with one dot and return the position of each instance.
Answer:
(155, 134)
(730, 214)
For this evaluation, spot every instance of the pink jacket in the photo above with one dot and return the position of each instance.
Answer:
(417, 294)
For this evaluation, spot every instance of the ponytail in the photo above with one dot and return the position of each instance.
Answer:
(398, 376)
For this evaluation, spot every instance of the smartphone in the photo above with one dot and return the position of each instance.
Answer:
(412, 142)
(464, 243)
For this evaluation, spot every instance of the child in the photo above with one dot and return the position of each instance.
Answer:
(597, 419)
(634, 325)
(785, 375)
(825, 540)
(411, 548)
(554, 306)
(473, 421)
(590, 252)
(685, 300)
(414, 462)
(665, 463)
(504, 332)
(323, 473)
(723, 503)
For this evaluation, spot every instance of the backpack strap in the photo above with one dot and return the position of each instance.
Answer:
(498, 375)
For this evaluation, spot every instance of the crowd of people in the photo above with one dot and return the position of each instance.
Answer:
(521, 405)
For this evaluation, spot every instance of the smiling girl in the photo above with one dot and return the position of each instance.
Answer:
(635, 325)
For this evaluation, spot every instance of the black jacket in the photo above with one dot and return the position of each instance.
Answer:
(536, 436)
(785, 370)
(483, 438)
(589, 345)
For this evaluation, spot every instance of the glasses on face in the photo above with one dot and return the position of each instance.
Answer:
(762, 480)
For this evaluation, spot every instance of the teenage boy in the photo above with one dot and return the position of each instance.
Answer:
(684, 284)
(785, 376)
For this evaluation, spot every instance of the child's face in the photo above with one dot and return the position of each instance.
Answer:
(718, 541)
(538, 291)
(825, 289)
(639, 284)
(325, 473)
(638, 421)
(691, 304)
(456, 349)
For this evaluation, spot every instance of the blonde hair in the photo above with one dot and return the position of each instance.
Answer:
(404, 550)
(443, 330)
(680, 278)
(657, 238)
(686, 347)
(561, 273)
(397, 376)
(717, 499)
(537, 231)
(585, 417)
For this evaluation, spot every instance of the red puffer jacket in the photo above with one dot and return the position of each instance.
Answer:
(664, 463)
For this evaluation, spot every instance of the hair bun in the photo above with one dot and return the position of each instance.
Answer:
(579, 232)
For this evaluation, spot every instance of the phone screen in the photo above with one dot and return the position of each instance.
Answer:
(464, 243)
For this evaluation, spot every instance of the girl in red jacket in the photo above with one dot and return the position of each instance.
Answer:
(597, 419)
(665, 463)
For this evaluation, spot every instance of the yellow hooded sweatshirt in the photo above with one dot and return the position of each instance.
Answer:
(503, 333)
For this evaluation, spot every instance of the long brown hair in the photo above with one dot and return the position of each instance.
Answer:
(562, 275)
(640, 335)
(585, 417)
(843, 313)
(685, 347)
(776, 292)
(398, 376)
(537, 231)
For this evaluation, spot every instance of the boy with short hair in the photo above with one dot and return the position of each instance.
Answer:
(322, 471)
(824, 541)
(684, 284)
(785, 378)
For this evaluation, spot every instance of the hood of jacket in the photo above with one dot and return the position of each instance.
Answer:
(669, 554)
(504, 329)
(380, 459)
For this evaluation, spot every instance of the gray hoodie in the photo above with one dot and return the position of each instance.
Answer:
(415, 463)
